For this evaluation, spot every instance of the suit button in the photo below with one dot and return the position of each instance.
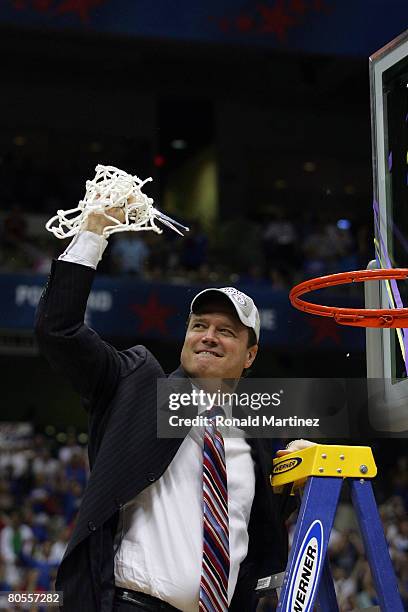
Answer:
(151, 477)
(118, 503)
(91, 526)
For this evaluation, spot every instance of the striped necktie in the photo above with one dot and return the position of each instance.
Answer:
(216, 560)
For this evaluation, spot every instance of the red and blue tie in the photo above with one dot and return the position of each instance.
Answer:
(216, 559)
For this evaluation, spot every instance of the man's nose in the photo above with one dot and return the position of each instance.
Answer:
(210, 335)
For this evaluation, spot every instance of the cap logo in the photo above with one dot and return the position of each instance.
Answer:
(237, 295)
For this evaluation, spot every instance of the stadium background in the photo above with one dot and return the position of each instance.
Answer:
(253, 118)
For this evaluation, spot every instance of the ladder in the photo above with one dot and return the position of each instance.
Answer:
(319, 471)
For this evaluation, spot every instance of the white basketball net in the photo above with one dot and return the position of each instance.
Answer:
(113, 188)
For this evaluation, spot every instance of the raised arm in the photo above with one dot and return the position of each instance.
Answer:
(92, 366)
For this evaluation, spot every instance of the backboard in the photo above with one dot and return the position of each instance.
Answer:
(389, 119)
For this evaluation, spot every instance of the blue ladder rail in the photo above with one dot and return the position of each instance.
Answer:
(308, 580)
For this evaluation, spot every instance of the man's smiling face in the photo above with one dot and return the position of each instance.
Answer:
(216, 343)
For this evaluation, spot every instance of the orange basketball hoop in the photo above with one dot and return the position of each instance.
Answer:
(357, 317)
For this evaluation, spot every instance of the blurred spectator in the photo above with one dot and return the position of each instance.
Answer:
(237, 244)
(14, 227)
(6, 495)
(280, 240)
(317, 250)
(194, 248)
(45, 465)
(44, 565)
(281, 278)
(365, 246)
(75, 469)
(70, 449)
(59, 546)
(253, 276)
(40, 255)
(329, 247)
(129, 253)
(71, 500)
(401, 539)
(4, 584)
(14, 538)
(341, 239)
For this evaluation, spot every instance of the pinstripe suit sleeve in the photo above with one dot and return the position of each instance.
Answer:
(91, 365)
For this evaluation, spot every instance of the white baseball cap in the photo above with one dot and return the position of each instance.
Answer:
(244, 306)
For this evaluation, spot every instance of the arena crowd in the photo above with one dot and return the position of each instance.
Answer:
(42, 479)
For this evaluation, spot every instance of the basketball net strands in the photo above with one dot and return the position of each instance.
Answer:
(113, 188)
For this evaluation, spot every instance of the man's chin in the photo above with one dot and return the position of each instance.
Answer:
(203, 372)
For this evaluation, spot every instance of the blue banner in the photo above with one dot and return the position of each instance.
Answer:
(351, 27)
(123, 308)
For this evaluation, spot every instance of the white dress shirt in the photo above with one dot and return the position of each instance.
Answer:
(160, 532)
(86, 248)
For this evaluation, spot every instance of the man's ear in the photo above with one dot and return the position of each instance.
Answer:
(251, 354)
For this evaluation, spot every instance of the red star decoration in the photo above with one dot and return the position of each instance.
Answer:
(275, 19)
(324, 328)
(244, 23)
(298, 6)
(153, 315)
(81, 7)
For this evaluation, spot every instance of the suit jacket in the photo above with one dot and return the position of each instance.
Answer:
(118, 389)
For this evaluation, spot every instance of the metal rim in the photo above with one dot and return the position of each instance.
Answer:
(357, 317)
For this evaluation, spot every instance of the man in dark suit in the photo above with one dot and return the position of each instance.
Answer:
(137, 542)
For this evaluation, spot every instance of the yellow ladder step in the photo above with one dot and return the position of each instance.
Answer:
(323, 460)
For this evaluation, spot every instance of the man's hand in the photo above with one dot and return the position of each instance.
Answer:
(96, 222)
(295, 445)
